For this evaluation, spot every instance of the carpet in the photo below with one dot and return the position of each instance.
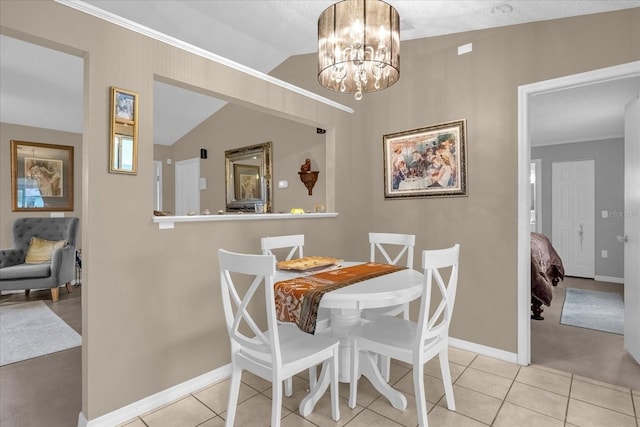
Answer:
(602, 311)
(32, 329)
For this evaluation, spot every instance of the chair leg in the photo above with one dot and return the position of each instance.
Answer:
(55, 294)
(69, 287)
(335, 398)
(234, 392)
(446, 378)
(421, 398)
(288, 387)
(353, 387)
(276, 402)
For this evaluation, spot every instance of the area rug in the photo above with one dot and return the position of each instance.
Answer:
(602, 311)
(32, 329)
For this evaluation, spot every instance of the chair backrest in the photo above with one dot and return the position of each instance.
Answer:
(383, 243)
(294, 241)
(245, 332)
(65, 228)
(433, 264)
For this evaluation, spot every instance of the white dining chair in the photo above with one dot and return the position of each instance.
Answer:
(295, 244)
(390, 248)
(416, 343)
(275, 352)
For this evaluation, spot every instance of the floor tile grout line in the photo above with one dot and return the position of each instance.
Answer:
(504, 399)
(599, 405)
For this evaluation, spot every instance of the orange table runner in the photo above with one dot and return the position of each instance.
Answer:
(298, 299)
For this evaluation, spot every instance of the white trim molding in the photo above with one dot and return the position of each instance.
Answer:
(609, 279)
(172, 41)
(135, 409)
(525, 92)
(168, 222)
(483, 350)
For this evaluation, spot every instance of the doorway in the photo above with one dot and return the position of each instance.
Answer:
(187, 190)
(525, 93)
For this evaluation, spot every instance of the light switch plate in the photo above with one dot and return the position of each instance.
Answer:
(283, 184)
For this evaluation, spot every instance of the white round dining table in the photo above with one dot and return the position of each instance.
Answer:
(346, 305)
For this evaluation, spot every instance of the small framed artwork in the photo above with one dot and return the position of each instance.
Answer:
(426, 162)
(41, 177)
(125, 103)
(247, 185)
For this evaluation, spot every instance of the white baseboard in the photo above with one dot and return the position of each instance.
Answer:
(157, 400)
(484, 350)
(609, 279)
(171, 394)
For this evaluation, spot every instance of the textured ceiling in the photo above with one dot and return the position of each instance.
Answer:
(43, 88)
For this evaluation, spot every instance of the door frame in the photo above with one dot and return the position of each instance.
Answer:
(525, 92)
(157, 185)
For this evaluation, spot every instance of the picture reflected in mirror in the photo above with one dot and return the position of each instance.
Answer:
(248, 178)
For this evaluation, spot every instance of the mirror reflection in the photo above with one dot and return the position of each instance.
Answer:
(248, 179)
(123, 150)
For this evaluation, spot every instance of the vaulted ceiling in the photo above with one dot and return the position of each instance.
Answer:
(43, 88)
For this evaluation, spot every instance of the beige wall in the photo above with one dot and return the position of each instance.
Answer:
(9, 132)
(151, 308)
(234, 127)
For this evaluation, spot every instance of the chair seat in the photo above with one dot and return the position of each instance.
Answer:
(394, 333)
(297, 346)
(25, 271)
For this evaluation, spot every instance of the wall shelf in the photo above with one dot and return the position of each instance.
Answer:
(168, 222)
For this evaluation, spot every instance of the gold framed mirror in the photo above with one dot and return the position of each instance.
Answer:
(248, 178)
(123, 140)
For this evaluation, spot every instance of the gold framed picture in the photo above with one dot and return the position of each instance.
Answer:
(41, 177)
(426, 162)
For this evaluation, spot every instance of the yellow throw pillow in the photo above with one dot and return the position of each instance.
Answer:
(40, 250)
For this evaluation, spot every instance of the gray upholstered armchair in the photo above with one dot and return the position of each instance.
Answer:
(15, 274)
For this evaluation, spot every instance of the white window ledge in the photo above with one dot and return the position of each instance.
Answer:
(167, 222)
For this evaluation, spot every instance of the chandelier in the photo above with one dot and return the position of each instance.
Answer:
(358, 46)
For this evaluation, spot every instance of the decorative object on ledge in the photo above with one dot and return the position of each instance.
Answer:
(358, 46)
(41, 177)
(307, 176)
(123, 142)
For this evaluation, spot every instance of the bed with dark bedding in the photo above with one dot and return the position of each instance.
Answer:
(546, 271)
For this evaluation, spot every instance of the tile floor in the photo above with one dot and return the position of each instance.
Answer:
(487, 392)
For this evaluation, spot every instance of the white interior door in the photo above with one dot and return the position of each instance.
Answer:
(573, 221)
(187, 189)
(535, 176)
(157, 185)
(632, 230)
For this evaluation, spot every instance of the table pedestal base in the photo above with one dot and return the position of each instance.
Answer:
(343, 323)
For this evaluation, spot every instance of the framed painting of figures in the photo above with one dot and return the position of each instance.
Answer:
(426, 162)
